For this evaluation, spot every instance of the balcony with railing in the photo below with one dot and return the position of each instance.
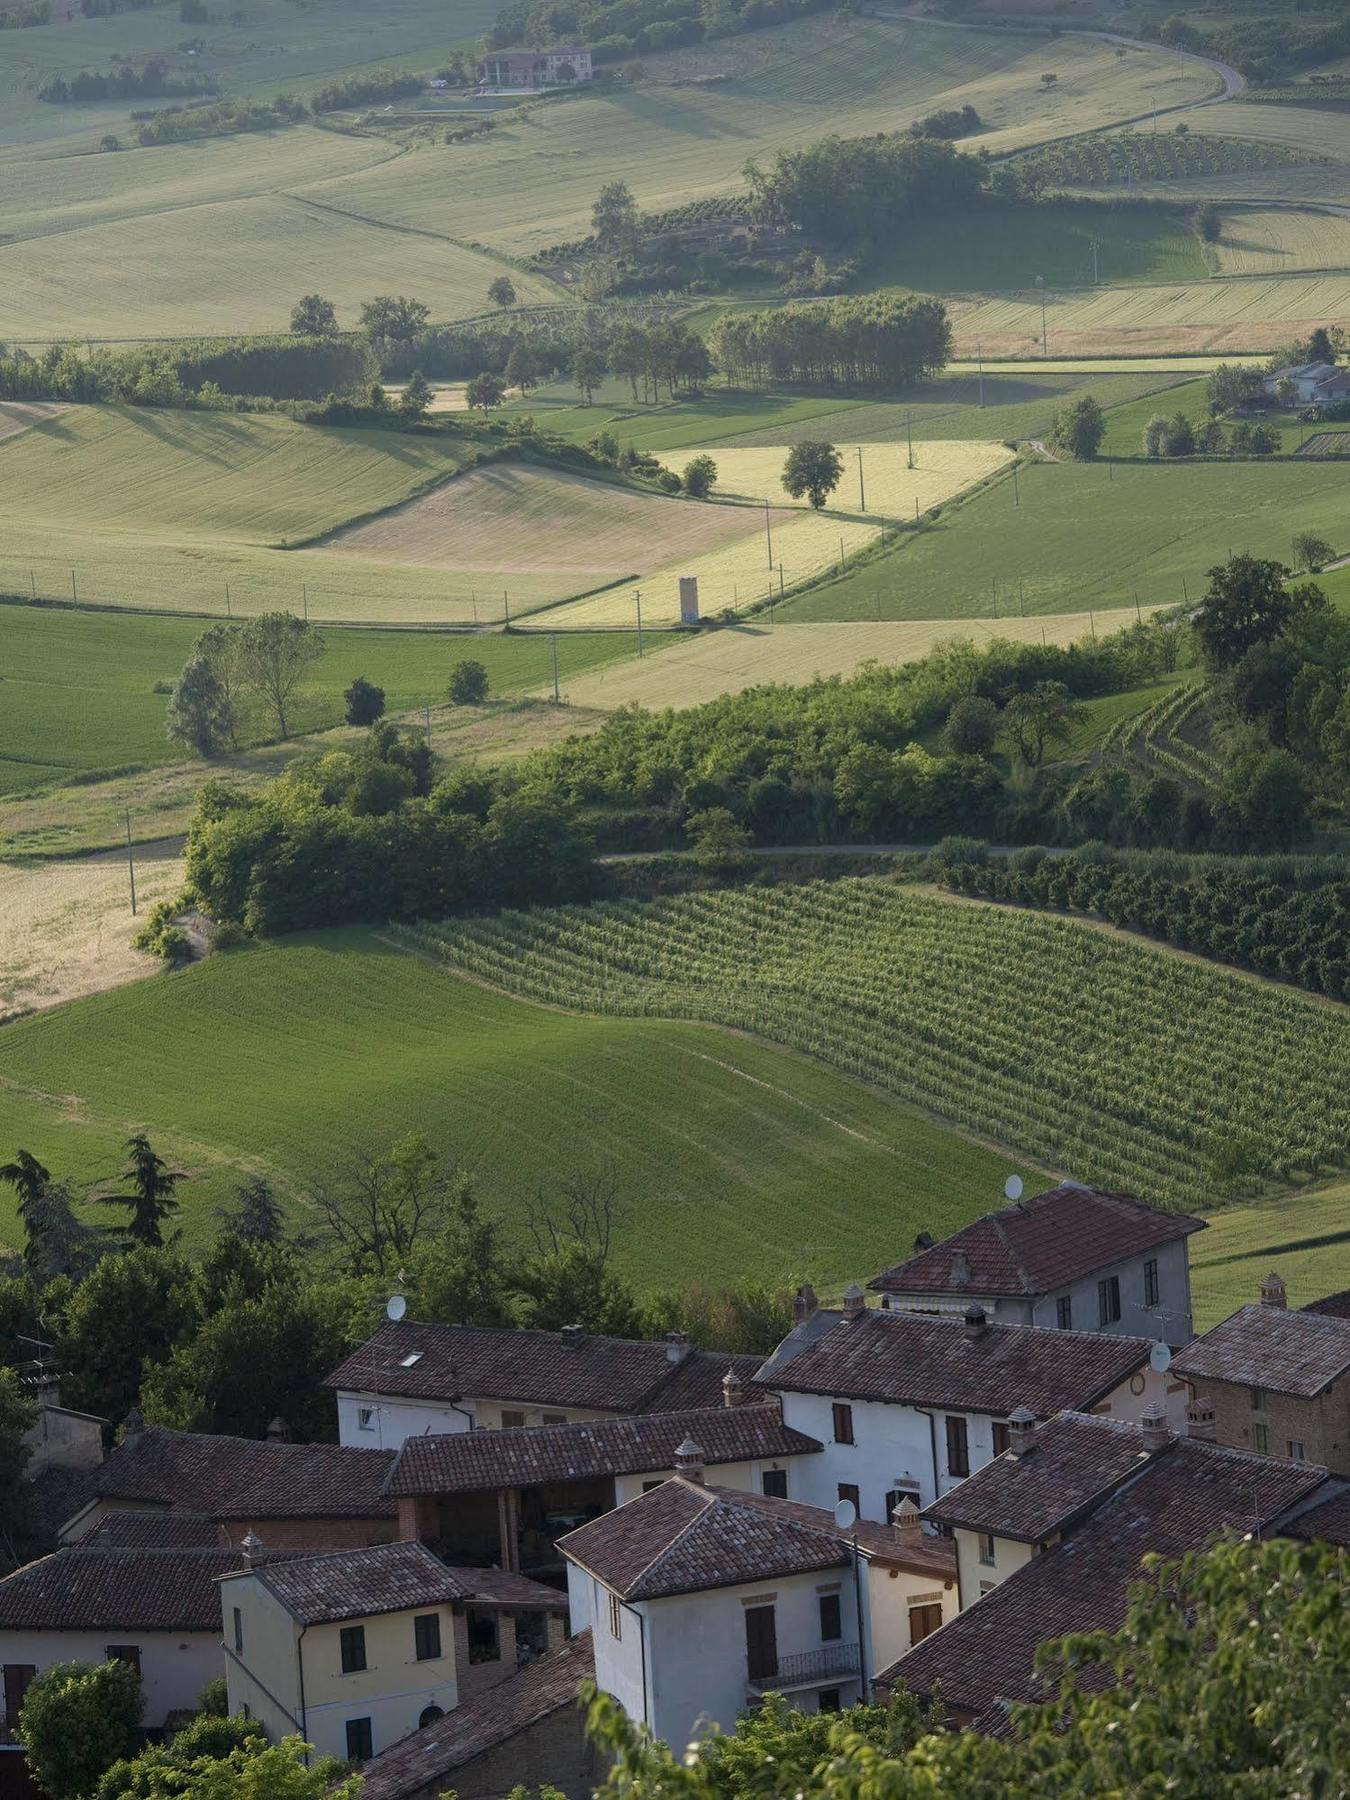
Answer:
(804, 1668)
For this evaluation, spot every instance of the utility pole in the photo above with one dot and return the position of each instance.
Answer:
(555, 669)
(473, 602)
(909, 439)
(426, 721)
(1017, 498)
(979, 351)
(841, 556)
(229, 612)
(74, 596)
(1040, 283)
(506, 607)
(1096, 272)
(304, 591)
(768, 533)
(862, 491)
(131, 865)
(639, 613)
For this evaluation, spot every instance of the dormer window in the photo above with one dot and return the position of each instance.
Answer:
(411, 1360)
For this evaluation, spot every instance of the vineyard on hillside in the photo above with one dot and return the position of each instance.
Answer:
(1159, 740)
(1126, 157)
(1108, 1061)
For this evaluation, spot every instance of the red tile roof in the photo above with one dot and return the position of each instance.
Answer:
(417, 1764)
(880, 1543)
(1331, 1306)
(103, 1589)
(1074, 1463)
(1329, 1520)
(1038, 1245)
(241, 1478)
(356, 1584)
(1185, 1496)
(920, 1359)
(1299, 1353)
(408, 1360)
(162, 1530)
(471, 1461)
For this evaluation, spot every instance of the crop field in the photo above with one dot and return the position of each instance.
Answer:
(886, 488)
(1125, 424)
(290, 1059)
(1274, 239)
(1088, 534)
(78, 688)
(1134, 159)
(1305, 131)
(1304, 1237)
(1008, 1024)
(751, 655)
(1212, 315)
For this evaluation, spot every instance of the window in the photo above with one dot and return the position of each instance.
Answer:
(512, 1421)
(828, 1700)
(988, 1555)
(427, 1636)
(843, 1423)
(1257, 1396)
(615, 1616)
(365, 1418)
(238, 1632)
(831, 1619)
(924, 1620)
(1260, 1440)
(130, 1654)
(896, 1495)
(761, 1643)
(553, 1418)
(1151, 1281)
(359, 1745)
(958, 1448)
(773, 1482)
(411, 1360)
(485, 1641)
(18, 1678)
(848, 1490)
(1108, 1300)
(1002, 1437)
(429, 1716)
(1296, 1450)
(353, 1641)
(647, 1486)
(1064, 1312)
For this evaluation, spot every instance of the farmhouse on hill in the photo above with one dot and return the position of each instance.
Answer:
(563, 66)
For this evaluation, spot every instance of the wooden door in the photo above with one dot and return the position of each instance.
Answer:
(761, 1642)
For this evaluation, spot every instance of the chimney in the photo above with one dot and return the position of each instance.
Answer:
(48, 1386)
(689, 1461)
(677, 1346)
(977, 1322)
(278, 1432)
(960, 1269)
(905, 1522)
(1274, 1292)
(573, 1336)
(804, 1303)
(733, 1389)
(133, 1428)
(1021, 1433)
(1153, 1426)
(252, 1548)
(855, 1302)
(924, 1241)
(1200, 1421)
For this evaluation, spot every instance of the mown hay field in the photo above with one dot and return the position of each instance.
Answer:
(731, 1157)
(1088, 535)
(1304, 1237)
(1271, 240)
(752, 655)
(877, 481)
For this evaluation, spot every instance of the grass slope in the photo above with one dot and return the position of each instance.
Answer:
(734, 1158)
(1305, 1237)
(1087, 535)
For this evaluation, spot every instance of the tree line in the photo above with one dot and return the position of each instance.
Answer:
(125, 82)
(615, 29)
(857, 193)
(212, 374)
(872, 340)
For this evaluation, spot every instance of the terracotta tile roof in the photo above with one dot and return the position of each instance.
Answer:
(1331, 1306)
(929, 1556)
(1329, 1520)
(1076, 1461)
(1266, 1346)
(415, 1361)
(161, 1530)
(241, 1478)
(499, 1587)
(357, 1584)
(103, 1589)
(1038, 1245)
(921, 1359)
(418, 1763)
(1186, 1495)
(469, 1461)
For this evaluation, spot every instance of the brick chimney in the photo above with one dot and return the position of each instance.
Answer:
(677, 1346)
(905, 1523)
(1153, 1428)
(1274, 1292)
(278, 1432)
(573, 1336)
(1021, 1433)
(733, 1389)
(924, 1241)
(1200, 1422)
(689, 1461)
(133, 1428)
(252, 1548)
(977, 1322)
(855, 1302)
(804, 1303)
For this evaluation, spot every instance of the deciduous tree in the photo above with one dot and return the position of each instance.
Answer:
(199, 712)
(275, 650)
(700, 472)
(1046, 714)
(502, 291)
(1080, 428)
(485, 391)
(1248, 602)
(588, 371)
(77, 1719)
(416, 396)
(468, 683)
(313, 316)
(364, 702)
(813, 469)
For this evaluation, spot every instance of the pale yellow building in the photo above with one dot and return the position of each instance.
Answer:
(356, 1649)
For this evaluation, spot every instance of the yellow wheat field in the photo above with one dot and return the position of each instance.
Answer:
(877, 482)
(749, 655)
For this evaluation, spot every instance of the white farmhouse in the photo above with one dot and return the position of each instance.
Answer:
(909, 1404)
(700, 1600)
(1072, 1259)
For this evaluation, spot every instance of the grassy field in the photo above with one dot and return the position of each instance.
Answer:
(1087, 535)
(78, 686)
(725, 662)
(1275, 240)
(1009, 1024)
(1305, 1237)
(291, 1059)
(877, 483)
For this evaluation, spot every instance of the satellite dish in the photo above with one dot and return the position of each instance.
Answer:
(1160, 1358)
(845, 1515)
(397, 1306)
(1012, 1187)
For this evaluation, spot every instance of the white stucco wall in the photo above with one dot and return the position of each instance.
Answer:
(892, 1448)
(745, 1475)
(392, 1421)
(175, 1665)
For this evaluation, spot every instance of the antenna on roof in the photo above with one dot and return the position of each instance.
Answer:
(1012, 1188)
(396, 1307)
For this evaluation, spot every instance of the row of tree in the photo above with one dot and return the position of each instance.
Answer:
(858, 193)
(125, 82)
(872, 340)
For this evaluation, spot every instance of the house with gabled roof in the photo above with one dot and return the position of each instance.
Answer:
(700, 1600)
(1073, 1258)
(413, 1378)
